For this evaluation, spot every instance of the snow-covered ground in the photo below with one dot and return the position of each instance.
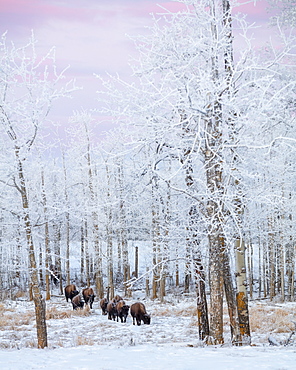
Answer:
(88, 340)
(149, 357)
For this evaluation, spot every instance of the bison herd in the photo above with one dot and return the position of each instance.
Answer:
(115, 308)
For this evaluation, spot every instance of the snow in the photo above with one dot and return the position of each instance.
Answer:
(88, 340)
(149, 357)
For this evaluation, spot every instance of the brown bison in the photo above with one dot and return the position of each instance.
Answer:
(117, 298)
(138, 312)
(104, 302)
(70, 292)
(77, 302)
(122, 311)
(111, 310)
(88, 296)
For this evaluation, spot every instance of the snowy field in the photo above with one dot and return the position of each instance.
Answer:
(88, 340)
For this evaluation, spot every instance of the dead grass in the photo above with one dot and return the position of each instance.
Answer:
(267, 319)
(263, 318)
(5, 345)
(84, 312)
(13, 321)
(9, 320)
(20, 294)
(170, 310)
(82, 341)
(60, 343)
(4, 309)
(30, 344)
(52, 313)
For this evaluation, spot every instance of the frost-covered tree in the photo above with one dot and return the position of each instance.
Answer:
(28, 87)
(285, 12)
(209, 105)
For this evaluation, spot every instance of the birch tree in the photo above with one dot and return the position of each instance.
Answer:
(29, 85)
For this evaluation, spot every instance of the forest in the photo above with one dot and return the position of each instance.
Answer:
(193, 191)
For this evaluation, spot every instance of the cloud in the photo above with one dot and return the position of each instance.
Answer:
(18, 16)
(89, 35)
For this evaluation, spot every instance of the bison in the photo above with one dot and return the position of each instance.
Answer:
(104, 302)
(111, 310)
(70, 292)
(138, 312)
(77, 302)
(88, 296)
(122, 311)
(117, 298)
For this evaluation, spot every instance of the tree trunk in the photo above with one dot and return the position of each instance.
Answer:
(39, 302)
(110, 256)
(41, 266)
(87, 257)
(122, 232)
(259, 267)
(215, 187)
(119, 274)
(242, 297)
(271, 255)
(250, 268)
(57, 251)
(82, 257)
(99, 271)
(68, 277)
(216, 291)
(147, 286)
(136, 262)
(233, 309)
(280, 271)
(290, 267)
(155, 239)
(47, 260)
(201, 299)
(215, 219)
(265, 271)
(177, 274)
(230, 291)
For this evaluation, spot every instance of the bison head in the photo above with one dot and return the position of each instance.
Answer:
(146, 319)
(73, 294)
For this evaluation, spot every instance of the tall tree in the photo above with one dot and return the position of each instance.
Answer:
(27, 92)
(191, 95)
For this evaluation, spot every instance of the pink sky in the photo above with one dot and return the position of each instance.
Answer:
(89, 35)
